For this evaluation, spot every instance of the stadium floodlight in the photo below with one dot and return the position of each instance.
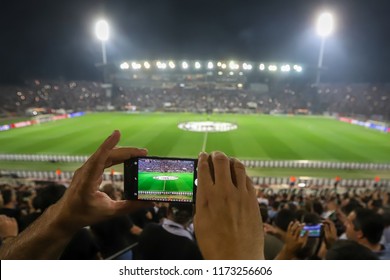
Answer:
(286, 68)
(223, 66)
(147, 65)
(298, 68)
(325, 26)
(135, 66)
(161, 65)
(184, 65)
(219, 64)
(102, 33)
(220, 73)
(197, 65)
(210, 65)
(262, 67)
(272, 68)
(101, 30)
(233, 65)
(171, 65)
(246, 66)
(231, 73)
(124, 66)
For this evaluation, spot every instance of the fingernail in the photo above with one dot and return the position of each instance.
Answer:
(114, 132)
(202, 154)
(219, 154)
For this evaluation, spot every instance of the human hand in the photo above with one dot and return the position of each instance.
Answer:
(270, 229)
(330, 233)
(294, 241)
(227, 223)
(83, 204)
(8, 227)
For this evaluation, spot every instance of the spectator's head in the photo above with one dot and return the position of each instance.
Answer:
(49, 195)
(349, 250)
(375, 204)
(263, 212)
(180, 213)
(111, 191)
(386, 218)
(318, 208)
(9, 197)
(292, 206)
(1, 200)
(275, 205)
(364, 226)
(283, 219)
(352, 205)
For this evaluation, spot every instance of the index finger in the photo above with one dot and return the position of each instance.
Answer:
(119, 155)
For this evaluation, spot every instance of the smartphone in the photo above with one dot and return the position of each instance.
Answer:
(315, 230)
(163, 179)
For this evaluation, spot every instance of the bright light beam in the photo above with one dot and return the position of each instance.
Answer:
(102, 30)
(325, 25)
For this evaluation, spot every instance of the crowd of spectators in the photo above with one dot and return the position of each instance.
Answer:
(354, 225)
(364, 101)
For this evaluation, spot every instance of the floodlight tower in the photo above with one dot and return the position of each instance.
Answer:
(102, 33)
(325, 25)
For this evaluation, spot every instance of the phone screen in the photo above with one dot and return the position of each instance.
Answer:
(160, 179)
(314, 230)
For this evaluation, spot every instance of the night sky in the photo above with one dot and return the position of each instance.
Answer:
(55, 39)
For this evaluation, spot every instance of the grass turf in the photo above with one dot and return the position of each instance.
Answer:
(257, 137)
(184, 183)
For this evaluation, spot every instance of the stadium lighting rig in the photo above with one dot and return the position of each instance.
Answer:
(229, 67)
(325, 26)
(102, 33)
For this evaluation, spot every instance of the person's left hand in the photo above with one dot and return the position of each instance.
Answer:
(83, 204)
(227, 223)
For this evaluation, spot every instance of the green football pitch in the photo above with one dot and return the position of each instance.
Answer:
(261, 137)
(257, 137)
(147, 181)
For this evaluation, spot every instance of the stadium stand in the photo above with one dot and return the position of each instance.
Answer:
(360, 101)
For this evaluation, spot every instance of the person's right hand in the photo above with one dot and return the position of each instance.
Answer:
(294, 241)
(227, 222)
(330, 233)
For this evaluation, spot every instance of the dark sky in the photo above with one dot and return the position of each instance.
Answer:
(54, 38)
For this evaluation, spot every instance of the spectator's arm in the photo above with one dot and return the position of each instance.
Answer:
(82, 204)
